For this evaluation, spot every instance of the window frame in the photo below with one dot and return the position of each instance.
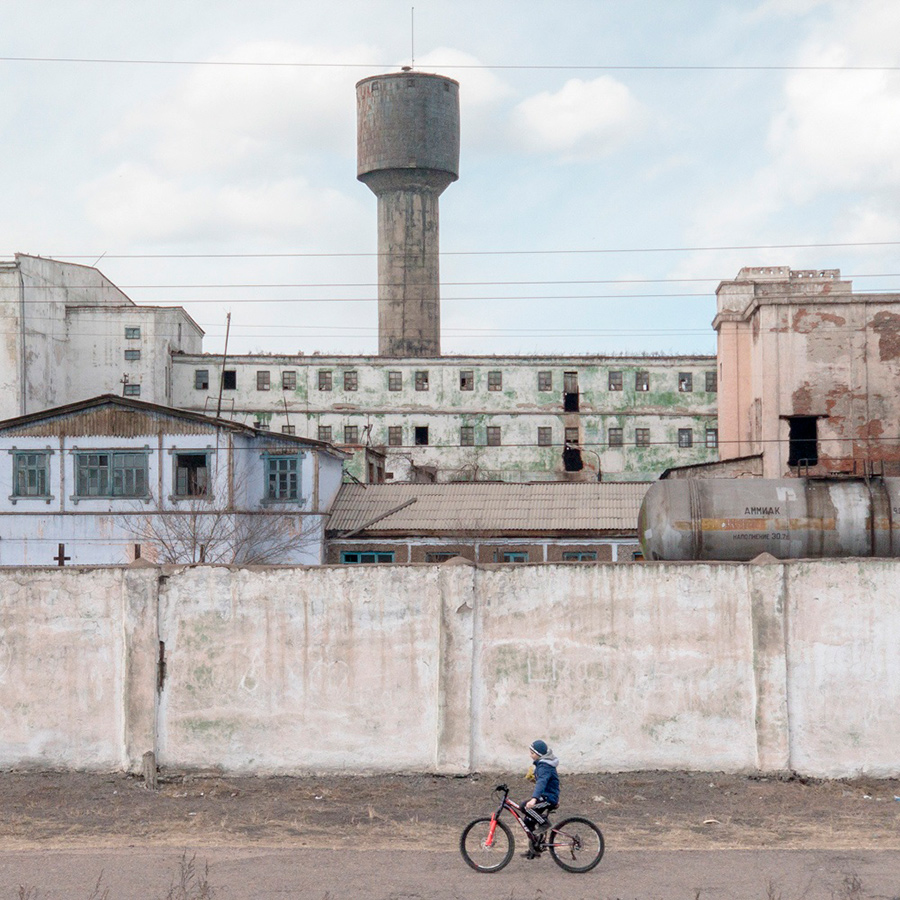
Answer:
(293, 473)
(467, 379)
(263, 380)
(545, 381)
(229, 379)
(579, 556)
(40, 469)
(346, 561)
(616, 380)
(545, 436)
(201, 379)
(685, 438)
(324, 433)
(642, 381)
(422, 380)
(494, 436)
(615, 437)
(419, 432)
(395, 436)
(190, 451)
(116, 457)
(642, 437)
(685, 382)
(495, 380)
(466, 435)
(289, 380)
(395, 380)
(325, 380)
(132, 354)
(712, 438)
(514, 556)
(351, 380)
(351, 434)
(132, 332)
(572, 436)
(712, 378)
(131, 389)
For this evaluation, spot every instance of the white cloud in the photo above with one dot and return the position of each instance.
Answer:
(221, 116)
(583, 120)
(137, 203)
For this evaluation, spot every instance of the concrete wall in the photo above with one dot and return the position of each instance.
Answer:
(734, 667)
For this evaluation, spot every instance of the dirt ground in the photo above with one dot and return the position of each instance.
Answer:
(635, 810)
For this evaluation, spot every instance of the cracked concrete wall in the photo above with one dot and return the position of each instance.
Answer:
(727, 666)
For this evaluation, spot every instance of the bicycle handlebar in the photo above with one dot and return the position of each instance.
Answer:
(502, 787)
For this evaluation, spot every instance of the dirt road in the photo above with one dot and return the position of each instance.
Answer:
(394, 837)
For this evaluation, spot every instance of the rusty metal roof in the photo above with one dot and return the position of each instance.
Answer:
(548, 508)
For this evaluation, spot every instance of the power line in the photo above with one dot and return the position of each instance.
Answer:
(565, 67)
(603, 250)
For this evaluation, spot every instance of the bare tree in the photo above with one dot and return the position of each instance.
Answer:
(202, 530)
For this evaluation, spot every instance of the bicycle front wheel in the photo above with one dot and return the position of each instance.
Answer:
(485, 852)
(576, 844)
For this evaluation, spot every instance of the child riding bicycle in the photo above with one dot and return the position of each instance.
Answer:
(544, 798)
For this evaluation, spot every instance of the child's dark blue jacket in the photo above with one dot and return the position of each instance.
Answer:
(546, 781)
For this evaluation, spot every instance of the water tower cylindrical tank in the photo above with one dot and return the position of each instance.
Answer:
(407, 154)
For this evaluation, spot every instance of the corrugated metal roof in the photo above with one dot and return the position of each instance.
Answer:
(487, 507)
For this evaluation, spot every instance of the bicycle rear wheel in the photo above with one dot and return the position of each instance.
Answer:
(576, 844)
(480, 855)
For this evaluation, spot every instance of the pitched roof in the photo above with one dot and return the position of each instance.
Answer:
(122, 420)
(551, 508)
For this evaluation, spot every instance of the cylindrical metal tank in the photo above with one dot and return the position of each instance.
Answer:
(790, 518)
(407, 154)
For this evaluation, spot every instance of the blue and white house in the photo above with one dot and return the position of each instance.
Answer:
(111, 479)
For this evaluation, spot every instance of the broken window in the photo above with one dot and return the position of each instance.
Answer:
(466, 436)
(395, 381)
(572, 461)
(545, 436)
(466, 380)
(712, 385)
(615, 436)
(493, 435)
(324, 379)
(229, 380)
(422, 381)
(325, 433)
(570, 391)
(545, 381)
(642, 381)
(685, 437)
(395, 435)
(803, 441)
(685, 382)
(495, 381)
(263, 381)
(351, 434)
(351, 381)
(420, 435)
(201, 379)
(642, 437)
(615, 381)
(289, 381)
(191, 474)
(572, 436)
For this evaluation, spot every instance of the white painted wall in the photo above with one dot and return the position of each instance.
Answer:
(733, 667)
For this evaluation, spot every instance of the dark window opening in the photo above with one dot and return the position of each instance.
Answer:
(421, 435)
(572, 459)
(467, 380)
(570, 395)
(229, 380)
(685, 382)
(191, 475)
(803, 441)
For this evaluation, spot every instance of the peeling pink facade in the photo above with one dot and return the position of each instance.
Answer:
(808, 373)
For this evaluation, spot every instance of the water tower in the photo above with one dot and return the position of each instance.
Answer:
(407, 154)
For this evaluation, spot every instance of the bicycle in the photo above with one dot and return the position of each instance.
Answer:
(487, 844)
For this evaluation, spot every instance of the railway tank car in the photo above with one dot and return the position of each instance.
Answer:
(791, 518)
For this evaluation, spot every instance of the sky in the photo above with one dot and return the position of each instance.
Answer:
(619, 158)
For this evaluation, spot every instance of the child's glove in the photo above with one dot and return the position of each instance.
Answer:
(529, 775)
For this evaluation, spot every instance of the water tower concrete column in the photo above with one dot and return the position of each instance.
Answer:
(408, 153)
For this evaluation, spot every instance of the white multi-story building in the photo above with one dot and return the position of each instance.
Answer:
(70, 334)
(454, 418)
